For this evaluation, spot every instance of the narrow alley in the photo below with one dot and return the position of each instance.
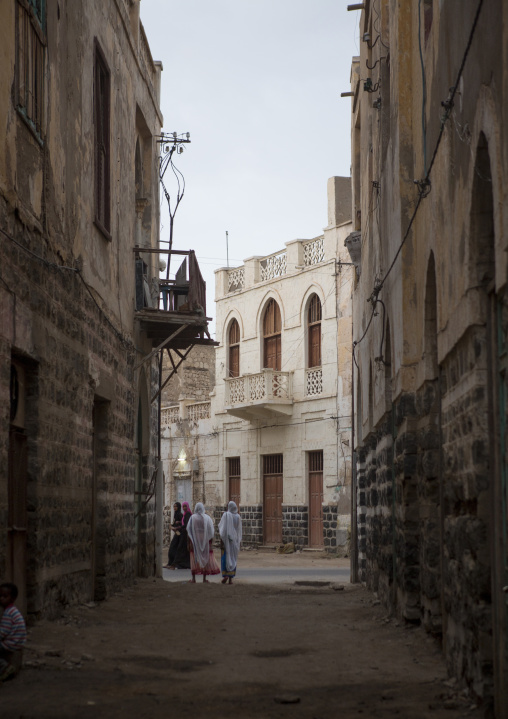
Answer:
(162, 649)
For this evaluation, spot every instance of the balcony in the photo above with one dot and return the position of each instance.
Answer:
(172, 310)
(265, 395)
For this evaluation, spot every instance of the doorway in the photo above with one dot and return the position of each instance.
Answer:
(98, 550)
(234, 480)
(272, 498)
(316, 499)
(17, 477)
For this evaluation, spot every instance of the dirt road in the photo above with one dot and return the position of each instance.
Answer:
(163, 649)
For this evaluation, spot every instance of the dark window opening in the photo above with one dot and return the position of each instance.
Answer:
(102, 141)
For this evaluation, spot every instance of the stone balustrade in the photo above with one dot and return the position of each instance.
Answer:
(298, 255)
(192, 411)
(268, 385)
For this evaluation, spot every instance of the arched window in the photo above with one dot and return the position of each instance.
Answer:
(234, 349)
(314, 329)
(271, 336)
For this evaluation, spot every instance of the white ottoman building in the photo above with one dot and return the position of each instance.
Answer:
(275, 436)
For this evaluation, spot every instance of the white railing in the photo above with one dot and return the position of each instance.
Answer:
(313, 381)
(198, 410)
(169, 415)
(194, 412)
(273, 266)
(268, 385)
(236, 279)
(314, 251)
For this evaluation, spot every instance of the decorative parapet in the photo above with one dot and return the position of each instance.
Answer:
(169, 415)
(314, 252)
(198, 410)
(236, 279)
(273, 266)
(146, 60)
(313, 381)
(193, 411)
(265, 386)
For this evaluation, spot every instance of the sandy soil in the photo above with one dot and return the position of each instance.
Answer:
(162, 649)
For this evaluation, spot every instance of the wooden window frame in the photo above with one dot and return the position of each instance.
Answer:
(102, 141)
(314, 317)
(31, 64)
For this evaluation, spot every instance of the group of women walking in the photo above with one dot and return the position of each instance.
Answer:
(191, 546)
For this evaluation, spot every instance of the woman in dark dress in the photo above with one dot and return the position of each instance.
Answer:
(176, 527)
(182, 557)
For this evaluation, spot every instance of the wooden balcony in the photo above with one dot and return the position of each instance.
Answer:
(264, 395)
(173, 310)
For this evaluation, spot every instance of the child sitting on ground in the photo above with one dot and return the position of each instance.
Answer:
(12, 630)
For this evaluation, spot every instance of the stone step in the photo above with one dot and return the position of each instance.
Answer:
(317, 550)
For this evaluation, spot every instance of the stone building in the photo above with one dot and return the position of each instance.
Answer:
(430, 240)
(275, 434)
(195, 380)
(79, 188)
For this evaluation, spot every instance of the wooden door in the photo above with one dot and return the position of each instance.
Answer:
(234, 480)
(272, 498)
(316, 499)
(17, 515)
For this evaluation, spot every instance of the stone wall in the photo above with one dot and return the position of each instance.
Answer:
(295, 524)
(330, 528)
(68, 347)
(467, 511)
(195, 378)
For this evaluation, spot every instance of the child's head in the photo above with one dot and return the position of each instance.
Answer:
(8, 594)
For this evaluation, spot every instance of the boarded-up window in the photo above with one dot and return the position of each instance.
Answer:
(30, 62)
(234, 349)
(102, 144)
(314, 329)
(272, 336)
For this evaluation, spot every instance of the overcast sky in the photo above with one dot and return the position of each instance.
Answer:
(257, 84)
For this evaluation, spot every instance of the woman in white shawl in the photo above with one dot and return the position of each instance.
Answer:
(200, 531)
(230, 530)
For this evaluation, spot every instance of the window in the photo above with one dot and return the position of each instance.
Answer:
(272, 336)
(314, 329)
(102, 146)
(234, 349)
(30, 62)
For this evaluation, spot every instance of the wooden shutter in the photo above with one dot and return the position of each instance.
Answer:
(314, 330)
(272, 325)
(234, 349)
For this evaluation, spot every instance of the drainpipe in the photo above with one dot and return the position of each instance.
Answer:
(353, 571)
